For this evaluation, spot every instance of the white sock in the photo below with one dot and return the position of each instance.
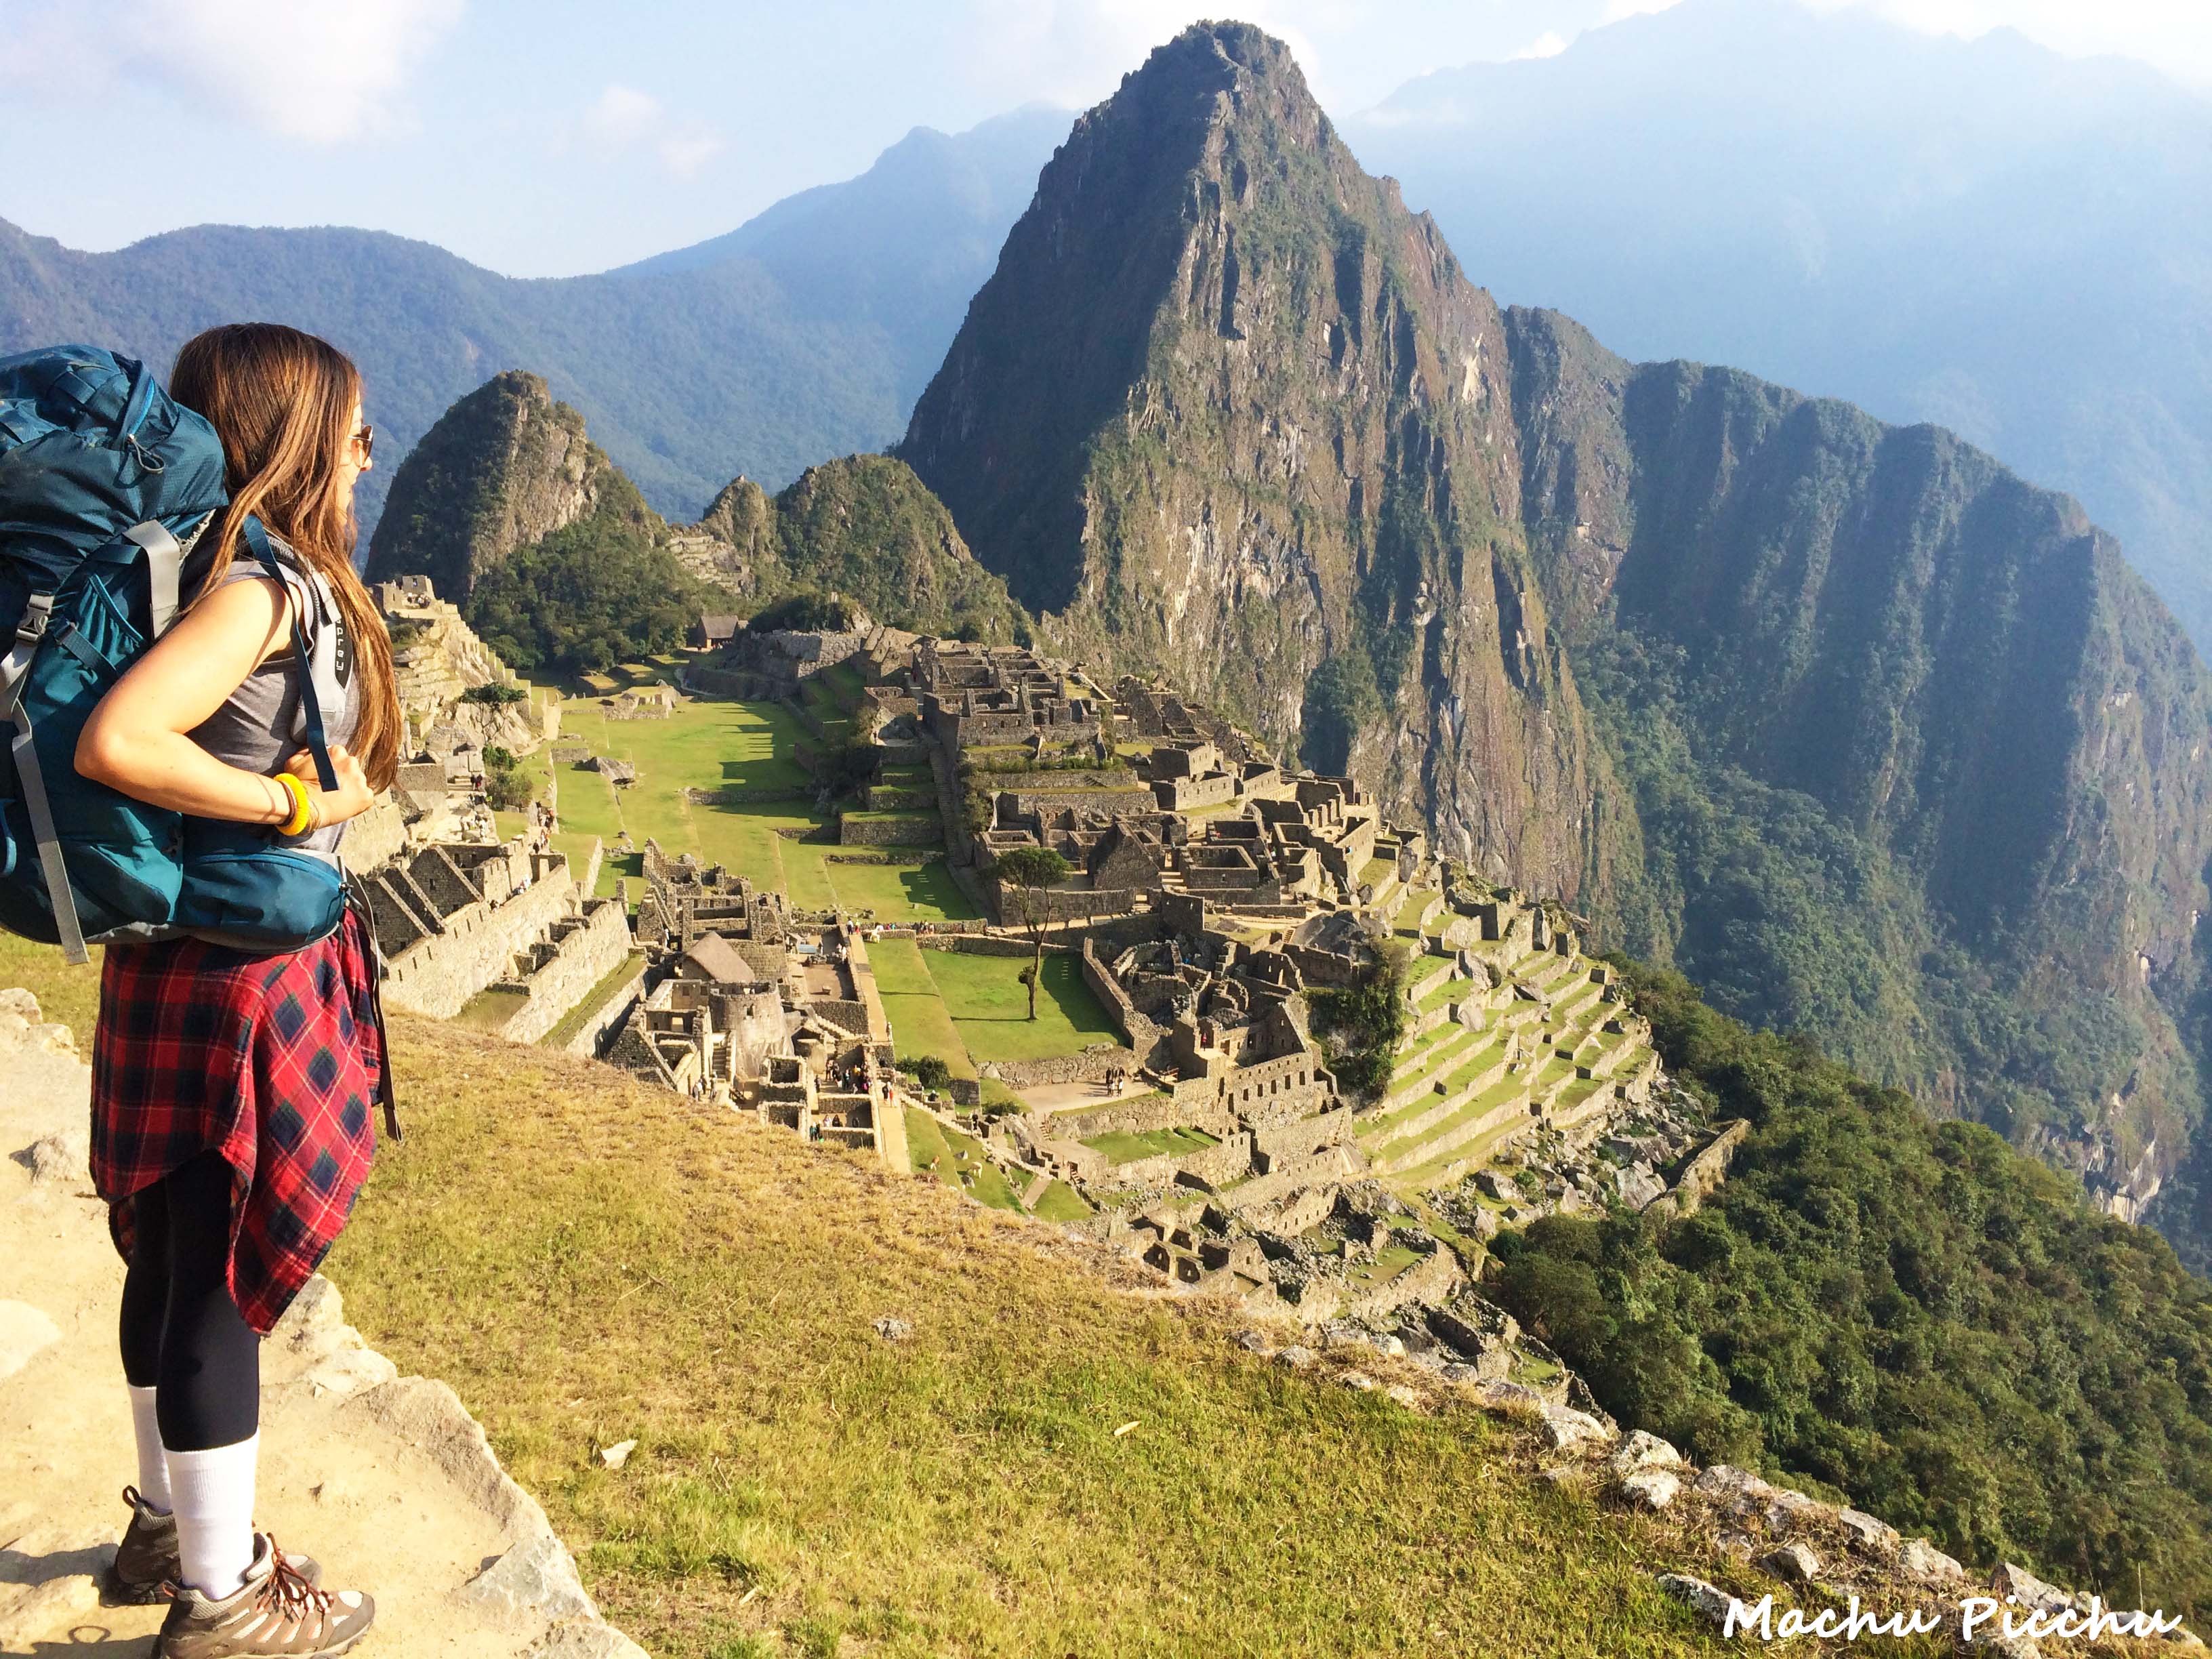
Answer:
(212, 1494)
(152, 1466)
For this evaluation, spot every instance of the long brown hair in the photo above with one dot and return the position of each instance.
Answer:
(283, 402)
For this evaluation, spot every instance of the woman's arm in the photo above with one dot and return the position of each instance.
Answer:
(135, 739)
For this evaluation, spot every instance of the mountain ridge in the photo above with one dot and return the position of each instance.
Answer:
(1934, 787)
(688, 376)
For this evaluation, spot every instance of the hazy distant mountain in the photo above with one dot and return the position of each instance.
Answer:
(804, 334)
(1983, 235)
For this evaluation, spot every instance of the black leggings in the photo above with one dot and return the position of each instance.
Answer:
(182, 1334)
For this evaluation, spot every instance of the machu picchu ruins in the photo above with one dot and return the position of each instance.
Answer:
(1219, 903)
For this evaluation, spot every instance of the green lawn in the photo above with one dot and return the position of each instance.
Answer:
(595, 998)
(958, 1160)
(900, 892)
(1061, 1202)
(990, 1006)
(920, 1024)
(1122, 1147)
(487, 1010)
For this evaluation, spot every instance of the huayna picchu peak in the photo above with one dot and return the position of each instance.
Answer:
(1230, 413)
(1875, 739)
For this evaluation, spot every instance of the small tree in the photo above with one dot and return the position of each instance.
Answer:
(1024, 874)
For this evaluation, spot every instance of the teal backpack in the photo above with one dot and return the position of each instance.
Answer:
(104, 483)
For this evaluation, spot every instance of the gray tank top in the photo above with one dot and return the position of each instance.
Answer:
(260, 726)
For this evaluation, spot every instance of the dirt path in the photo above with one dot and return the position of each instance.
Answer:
(385, 1479)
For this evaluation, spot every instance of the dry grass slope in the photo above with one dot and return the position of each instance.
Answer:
(588, 1262)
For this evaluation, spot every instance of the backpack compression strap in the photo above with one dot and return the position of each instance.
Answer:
(14, 672)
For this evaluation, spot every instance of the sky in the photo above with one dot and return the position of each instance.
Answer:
(552, 137)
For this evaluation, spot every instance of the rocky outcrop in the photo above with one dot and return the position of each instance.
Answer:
(504, 467)
(348, 1443)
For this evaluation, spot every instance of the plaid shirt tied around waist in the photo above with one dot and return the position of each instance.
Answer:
(272, 1062)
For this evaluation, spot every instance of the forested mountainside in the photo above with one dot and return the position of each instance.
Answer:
(863, 526)
(804, 334)
(1984, 233)
(552, 554)
(1884, 742)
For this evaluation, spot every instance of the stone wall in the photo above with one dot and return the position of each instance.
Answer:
(848, 1015)
(585, 950)
(1059, 904)
(856, 831)
(986, 945)
(1142, 1036)
(585, 1044)
(1189, 795)
(378, 836)
(1050, 799)
(1089, 1066)
(1140, 1116)
(1431, 1280)
(437, 975)
(1702, 1173)
(1286, 1143)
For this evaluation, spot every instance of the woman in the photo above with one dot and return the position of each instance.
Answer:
(231, 1091)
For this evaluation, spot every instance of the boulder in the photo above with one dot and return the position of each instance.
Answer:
(1793, 1509)
(1651, 1489)
(1928, 1563)
(536, 1576)
(1703, 1598)
(1500, 1395)
(1638, 1185)
(1726, 1481)
(1793, 1562)
(1298, 1357)
(2032, 1592)
(1640, 1450)
(1566, 1428)
(1877, 1537)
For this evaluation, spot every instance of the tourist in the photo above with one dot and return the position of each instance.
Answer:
(230, 1122)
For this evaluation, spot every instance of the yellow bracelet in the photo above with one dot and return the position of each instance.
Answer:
(302, 811)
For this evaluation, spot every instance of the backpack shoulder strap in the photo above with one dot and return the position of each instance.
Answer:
(311, 706)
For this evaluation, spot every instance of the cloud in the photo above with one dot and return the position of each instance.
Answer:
(1550, 44)
(622, 118)
(320, 72)
(1073, 52)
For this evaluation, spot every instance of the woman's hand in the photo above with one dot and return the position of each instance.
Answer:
(327, 806)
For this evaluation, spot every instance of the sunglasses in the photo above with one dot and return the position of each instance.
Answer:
(365, 440)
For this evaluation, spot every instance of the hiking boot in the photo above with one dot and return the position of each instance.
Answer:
(146, 1561)
(275, 1614)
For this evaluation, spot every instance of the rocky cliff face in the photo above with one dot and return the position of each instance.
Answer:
(1965, 676)
(502, 468)
(1872, 738)
(1227, 411)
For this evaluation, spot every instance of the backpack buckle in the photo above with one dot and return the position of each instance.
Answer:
(36, 611)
